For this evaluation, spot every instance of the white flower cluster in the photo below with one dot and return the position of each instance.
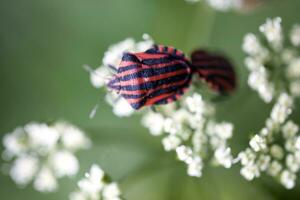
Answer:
(273, 65)
(222, 5)
(112, 58)
(295, 35)
(42, 153)
(274, 73)
(266, 152)
(95, 187)
(189, 130)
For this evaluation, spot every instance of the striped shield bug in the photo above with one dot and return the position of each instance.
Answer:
(162, 74)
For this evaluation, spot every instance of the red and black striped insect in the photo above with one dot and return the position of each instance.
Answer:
(162, 74)
(216, 70)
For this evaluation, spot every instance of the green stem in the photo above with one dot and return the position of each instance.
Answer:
(201, 25)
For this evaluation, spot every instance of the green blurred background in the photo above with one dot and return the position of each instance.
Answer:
(43, 45)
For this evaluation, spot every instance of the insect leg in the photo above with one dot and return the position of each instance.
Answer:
(112, 68)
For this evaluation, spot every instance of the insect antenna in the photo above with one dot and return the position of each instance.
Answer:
(92, 71)
(94, 111)
(105, 78)
(114, 100)
(95, 108)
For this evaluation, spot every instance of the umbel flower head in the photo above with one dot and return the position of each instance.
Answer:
(95, 187)
(42, 154)
(190, 130)
(273, 64)
(274, 74)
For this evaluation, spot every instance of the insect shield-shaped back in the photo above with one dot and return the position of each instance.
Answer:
(216, 70)
(158, 76)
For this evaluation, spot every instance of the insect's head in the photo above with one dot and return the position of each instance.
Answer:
(114, 84)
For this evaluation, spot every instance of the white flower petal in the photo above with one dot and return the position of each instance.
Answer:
(45, 181)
